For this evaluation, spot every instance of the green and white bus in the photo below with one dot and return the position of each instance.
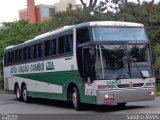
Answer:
(101, 62)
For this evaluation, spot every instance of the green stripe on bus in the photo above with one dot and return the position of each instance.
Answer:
(58, 78)
(62, 78)
(55, 96)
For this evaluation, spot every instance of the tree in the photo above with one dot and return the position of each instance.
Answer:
(124, 2)
(108, 6)
(92, 4)
(14, 33)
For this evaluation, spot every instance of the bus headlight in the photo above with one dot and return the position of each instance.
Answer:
(109, 96)
(151, 93)
(104, 87)
(149, 85)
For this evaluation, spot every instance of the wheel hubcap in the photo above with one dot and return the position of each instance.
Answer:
(18, 93)
(74, 99)
(24, 95)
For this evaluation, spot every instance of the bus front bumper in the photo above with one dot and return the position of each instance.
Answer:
(113, 97)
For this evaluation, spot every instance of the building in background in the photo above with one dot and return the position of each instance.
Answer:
(40, 13)
(63, 5)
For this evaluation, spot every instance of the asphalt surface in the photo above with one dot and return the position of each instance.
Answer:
(9, 104)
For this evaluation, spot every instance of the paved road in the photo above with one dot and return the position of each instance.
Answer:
(8, 104)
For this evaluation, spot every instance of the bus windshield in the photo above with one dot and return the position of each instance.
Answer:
(123, 61)
(119, 34)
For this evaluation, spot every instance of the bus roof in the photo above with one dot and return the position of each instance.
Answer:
(110, 23)
(65, 28)
(47, 34)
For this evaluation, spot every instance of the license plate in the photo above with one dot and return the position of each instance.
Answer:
(109, 100)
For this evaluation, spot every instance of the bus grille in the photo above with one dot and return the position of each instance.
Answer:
(130, 86)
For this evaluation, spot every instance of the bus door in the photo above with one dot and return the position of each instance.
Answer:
(88, 69)
(85, 63)
(88, 61)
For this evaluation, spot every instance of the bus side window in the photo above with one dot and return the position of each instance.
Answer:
(69, 43)
(65, 44)
(29, 55)
(40, 50)
(12, 57)
(61, 44)
(20, 55)
(24, 53)
(9, 57)
(82, 35)
(47, 48)
(53, 47)
(34, 51)
(16, 56)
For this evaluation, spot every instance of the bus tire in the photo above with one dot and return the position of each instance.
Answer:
(25, 96)
(76, 99)
(122, 105)
(18, 93)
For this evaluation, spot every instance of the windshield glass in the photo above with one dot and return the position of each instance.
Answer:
(119, 34)
(122, 61)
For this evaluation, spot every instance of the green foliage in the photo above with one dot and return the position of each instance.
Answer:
(71, 17)
(158, 87)
(157, 62)
(17, 32)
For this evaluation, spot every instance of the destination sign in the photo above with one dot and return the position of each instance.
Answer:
(33, 67)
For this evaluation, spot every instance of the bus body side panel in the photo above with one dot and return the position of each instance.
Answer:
(44, 78)
(47, 78)
(51, 85)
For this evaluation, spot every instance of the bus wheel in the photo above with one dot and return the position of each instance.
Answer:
(25, 94)
(76, 99)
(121, 105)
(18, 93)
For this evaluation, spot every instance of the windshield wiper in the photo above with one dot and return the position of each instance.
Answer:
(134, 61)
(129, 67)
(119, 75)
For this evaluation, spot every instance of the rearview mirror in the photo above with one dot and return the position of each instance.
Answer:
(92, 54)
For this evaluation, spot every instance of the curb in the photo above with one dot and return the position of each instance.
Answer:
(157, 94)
(2, 91)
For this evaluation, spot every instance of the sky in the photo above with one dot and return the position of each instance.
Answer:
(9, 8)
